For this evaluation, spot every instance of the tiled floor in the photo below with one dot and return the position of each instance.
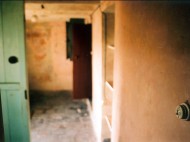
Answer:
(57, 118)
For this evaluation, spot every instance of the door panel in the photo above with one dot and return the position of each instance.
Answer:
(14, 125)
(15, 107)
(11, 43)
(2, 77)
(82, 87)
(1, 123)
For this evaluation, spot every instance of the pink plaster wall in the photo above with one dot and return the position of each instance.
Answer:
(48, 68)
(151, 71)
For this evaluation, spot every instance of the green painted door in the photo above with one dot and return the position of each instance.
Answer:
(13, 82)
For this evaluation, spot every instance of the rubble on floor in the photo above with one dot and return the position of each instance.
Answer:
(58, 118)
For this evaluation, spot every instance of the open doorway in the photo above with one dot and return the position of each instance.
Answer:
(79, 46)
(50, 74)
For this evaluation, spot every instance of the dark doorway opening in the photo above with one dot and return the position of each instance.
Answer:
(82, 87)
(79, 46)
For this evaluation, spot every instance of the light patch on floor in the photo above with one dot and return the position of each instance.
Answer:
(58, 118)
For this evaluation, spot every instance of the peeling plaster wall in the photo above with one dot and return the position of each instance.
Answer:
(48, 68)
(152, 71)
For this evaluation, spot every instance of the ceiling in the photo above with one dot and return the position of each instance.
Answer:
(59, 11)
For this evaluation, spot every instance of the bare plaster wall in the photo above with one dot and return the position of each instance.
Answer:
(48, 68)
(97, 71)
(152, 71)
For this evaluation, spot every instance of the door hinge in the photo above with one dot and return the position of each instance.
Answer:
(25, 94)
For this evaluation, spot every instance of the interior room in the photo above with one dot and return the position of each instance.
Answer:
(94, 71)
(58, 51)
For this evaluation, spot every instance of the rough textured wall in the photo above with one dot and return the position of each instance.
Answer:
(152, 71)
(97, 71)
(48, 67)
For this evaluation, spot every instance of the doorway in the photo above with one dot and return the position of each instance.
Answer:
(51, 77)
(82, 72)
(79, 46)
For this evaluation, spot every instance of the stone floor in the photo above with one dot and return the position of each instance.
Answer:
(55, 117)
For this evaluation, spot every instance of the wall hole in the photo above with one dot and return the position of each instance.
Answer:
(13, 59)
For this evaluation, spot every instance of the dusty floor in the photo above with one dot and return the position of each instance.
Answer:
(60, 119)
